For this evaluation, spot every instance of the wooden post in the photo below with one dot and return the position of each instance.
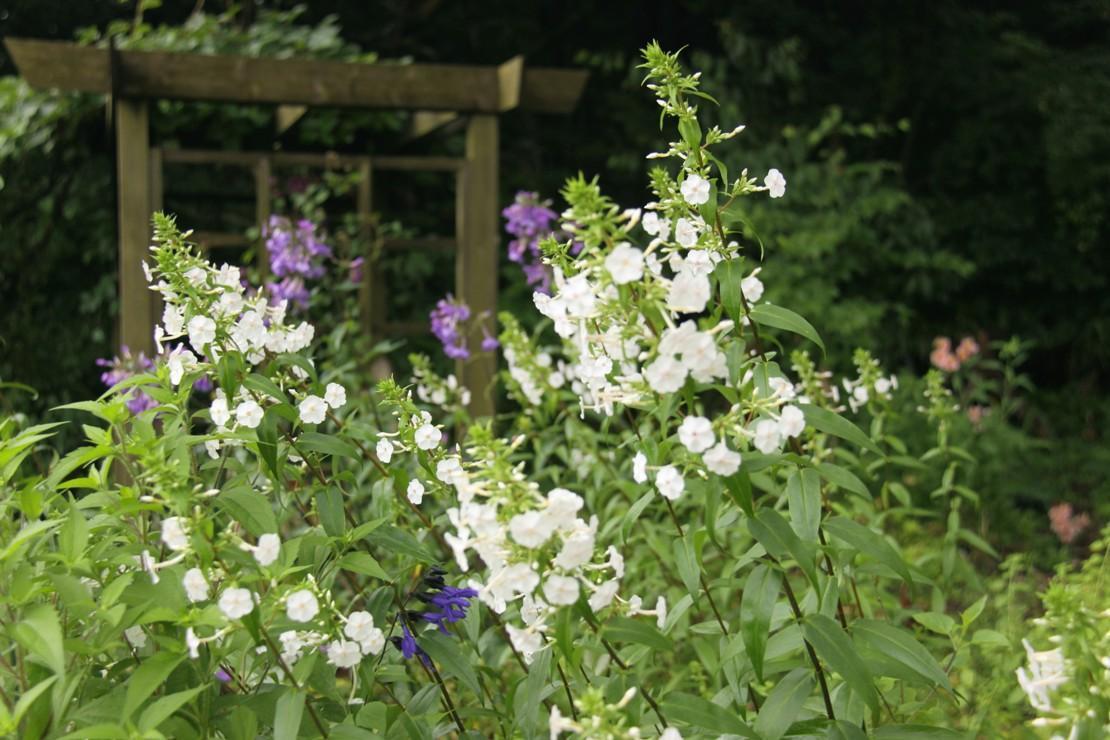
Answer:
(369, 288)
(262, 208)
(133, 183)
(476, 263)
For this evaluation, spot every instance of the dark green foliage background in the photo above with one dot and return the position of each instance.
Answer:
(948, 167)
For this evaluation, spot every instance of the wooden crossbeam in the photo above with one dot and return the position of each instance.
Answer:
(425, 243)
(311, 159)
(184, 76)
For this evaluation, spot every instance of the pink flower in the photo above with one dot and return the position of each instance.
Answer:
(1065, 523)
(975, 414)
(968, 348)
(942, 356)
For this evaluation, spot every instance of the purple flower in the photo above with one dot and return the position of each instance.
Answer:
(354, 273)
(538, 275)
(530, 220)
(489, 342)
(222, 676)
(450, 605)
(296, 254)
(122, 367)
(528, 217)
(447, 320)
(406, 643)
(291, 289)
(446, 605)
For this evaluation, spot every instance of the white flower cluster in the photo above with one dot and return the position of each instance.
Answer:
(1047, 672)
(538, 551)
(598, 719)
(444, 393)
(212, 308)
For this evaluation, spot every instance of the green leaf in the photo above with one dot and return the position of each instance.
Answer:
(327, 444)
(739, 486)
(690, 131)
(835, 648)
(623, 629)
(803, 495)
(261, 384)
(363, 530)
(870, 543)
(287, 714)
(832, 423)
(915, 732)
(445, 651)
(163, 708)
(229, 368)
(400, 542)
(28, 698)
(267, 435)
(250, 508)
(26, 533)
(842, 478)
(972, 613)
(991, 638)
(534, 683)
(729, 275)
(778, 317)
(634, 512)
(842, 730)
(776, 536)
(699, 712)
(329, 504)
(364, 563)
(942, 624)
(783, 704)
(40, 633)
(74, 535)
(899, 645)
(687, 563)
(148, 678)
(757, 605)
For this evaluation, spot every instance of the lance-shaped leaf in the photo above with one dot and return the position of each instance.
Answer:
(776, 536)
(870, 543)
(757, 604)
(834, 647)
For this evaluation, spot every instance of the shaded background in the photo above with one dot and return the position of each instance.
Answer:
(948, 167)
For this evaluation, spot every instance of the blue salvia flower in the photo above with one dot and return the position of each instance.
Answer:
(447, 605)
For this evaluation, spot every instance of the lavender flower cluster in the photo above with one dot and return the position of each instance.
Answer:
(296, 254)
(127, 365)
(530, 220)
(448, 319)
(449, 325)
(122, 367)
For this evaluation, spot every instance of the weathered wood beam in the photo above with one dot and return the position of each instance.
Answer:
(546, 90)
(151, 74)
(134, 202)
(510, 76)
(478, 233)
(425, 122)
(287, 116)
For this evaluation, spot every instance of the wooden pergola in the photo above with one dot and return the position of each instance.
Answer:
(437, 94)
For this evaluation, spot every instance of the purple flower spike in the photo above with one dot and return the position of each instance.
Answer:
(119, 369)
(447, 322)
(297, 254)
